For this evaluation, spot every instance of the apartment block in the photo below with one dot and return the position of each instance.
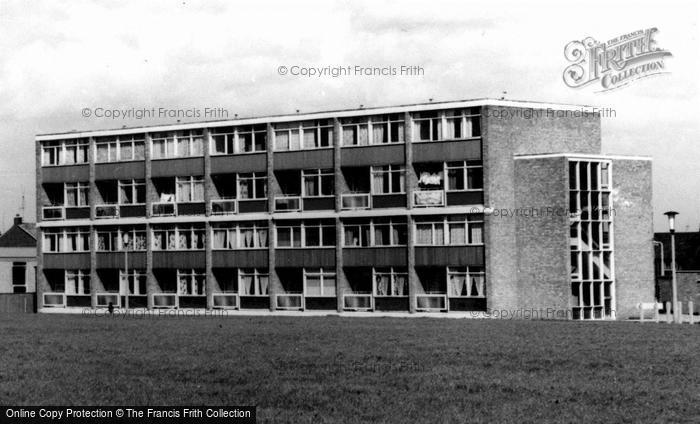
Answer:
(452, 208)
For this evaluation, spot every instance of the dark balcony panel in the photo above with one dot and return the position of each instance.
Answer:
(297, 258)
(468, 304)
(304, 159)
(446, 151)
(374, 256)
(182, 259)
(60, 174)
(450, 256)
(388, 201)
(131, 211)
(120, 170)
(373, 155)
(252, 206)
(135, 301)
(177, 167)
(193, 301)
(78, 301)
(391, 303)
(115, 260)
(67, 260)
(240, 258)
(253, 162)
(465, 198)
(255, 302)
(319, 203)
(191, 208)
(78, 213)
(321, 303)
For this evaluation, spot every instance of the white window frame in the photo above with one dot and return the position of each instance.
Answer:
(372, 236)
(192, 275)
(177, 231)
(237, 231)
(78, 186)
(133, 183)
(393, 171)
(192, 181)
(254, 176)
(464, 167)
(83, 276)
(393, 273)
(323, 275)
(388, 122)
(135, 275)
(444, 223)
(318, 175)
(468, 273)
(256, 273)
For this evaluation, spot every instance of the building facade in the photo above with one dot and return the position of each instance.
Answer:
(18, 258)
(687, 268)
(456, 207)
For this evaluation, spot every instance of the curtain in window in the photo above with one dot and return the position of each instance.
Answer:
(381, 235)
(126, 151)
(126, 193)
(329, 285)
(220, 239)
(313, 285)
(197, 146)
(198, 191)
(400, 285)
(458, 234)
(247, 284)
(476, 231)
(171, 241)
(439, 234)
(455, 179)
(263, 281)
(184, 241)
(378, 182)
(262, 238)
(102, 152)
(140, 241)
(351, 236)
(364, 135)
(139, 151)
(424, 234)
(83, 196)
(382, 285)
(310, 186)
(310, 138)
(183, 146)
(477, 285)
(71, 197)
(158, 240)
(245, 189)
(282, 140)
(468, 130)
(458, 285)
(294, 140)
(183, 191)
(349, 136)
(72, 285)
(247, 237)
(184, 285)
(379, 133)
(198, 239)
(127, 242)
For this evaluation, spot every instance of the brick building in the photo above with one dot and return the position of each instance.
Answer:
(449, 207)
(18, 258)
(687, 268)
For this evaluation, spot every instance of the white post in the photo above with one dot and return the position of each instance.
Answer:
(641, 312)
(669, 317)
(657, 305)
(690, 311)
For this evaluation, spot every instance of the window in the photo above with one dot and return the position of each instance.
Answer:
(64, 152)
(387, 129)
(319, 233)
(252, 139)
(163, 146)
(317, 134)
(376, 232)
(446, 125)
(134, 282)
(75, 151)
(355, 131)
(178, 238)
(129, 239)
(189, 189)
(223, 141)
(288, 235)
(287, 137)
(253, 281)
(77, 282)
(50, 153)
(390, 281)
(465, 175)
(252, 185)
(191, 282)
(178, 144)
(67, 240)
(455, 230)
(132, 192)
(121, 148)
(76, 194)
(19, 277)
(244, 235)
(388, 179)
(427, 126)
(465, 281)
(318, 182)
(319, 282)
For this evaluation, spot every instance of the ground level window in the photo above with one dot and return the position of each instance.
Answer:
(253, 282)
(465, 281)
(77, 282)
(191, 282)
(133, 282)
(319, 282)
(390, 281)
(19, 277)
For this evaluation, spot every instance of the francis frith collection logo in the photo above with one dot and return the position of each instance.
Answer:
(615, 63)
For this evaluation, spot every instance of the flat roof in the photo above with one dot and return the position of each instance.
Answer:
(316, 115)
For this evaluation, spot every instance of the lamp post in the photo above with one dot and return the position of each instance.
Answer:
(671, 226)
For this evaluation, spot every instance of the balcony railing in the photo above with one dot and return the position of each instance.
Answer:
(104, 299)
(290, 301)
(225, 301)
(428, 198)
(164, 209)
(287, 204)
(223, 207)
(356, 201)
(431, 302)
(106, 211)
(358, 302)
(53, 212)
(55, 300)
(164, 300)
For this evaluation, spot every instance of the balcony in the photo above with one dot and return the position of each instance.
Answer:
(106, 211)
(358, 302)
(50, 213)
(164, 209)
(225, 301)
(288, 204)
(54, 300)
(431, 302)
(429, 198)
(223, 207)
(290, 301)
(356, 201)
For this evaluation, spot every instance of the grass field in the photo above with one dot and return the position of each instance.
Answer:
(331, 369)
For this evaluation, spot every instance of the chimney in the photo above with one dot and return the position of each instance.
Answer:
(18, 219)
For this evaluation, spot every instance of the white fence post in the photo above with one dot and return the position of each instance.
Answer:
(669, 317)
(690, 311)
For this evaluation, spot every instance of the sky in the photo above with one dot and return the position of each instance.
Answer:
(57, 58)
